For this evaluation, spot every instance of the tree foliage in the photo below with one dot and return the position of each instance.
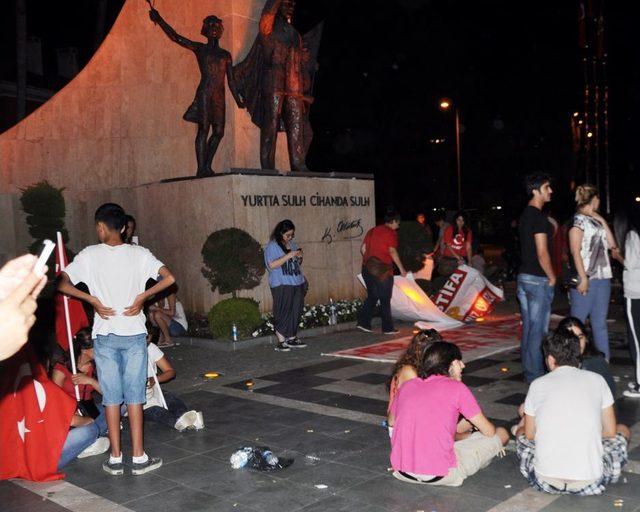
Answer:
(233, 260)
(45, 208)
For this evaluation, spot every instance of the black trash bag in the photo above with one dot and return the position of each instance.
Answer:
(260, 458)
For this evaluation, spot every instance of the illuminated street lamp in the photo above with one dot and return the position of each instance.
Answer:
(445, 105)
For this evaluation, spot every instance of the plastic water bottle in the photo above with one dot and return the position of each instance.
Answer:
(240, 458)
(234, 332)
(333, 318)
(270, 458)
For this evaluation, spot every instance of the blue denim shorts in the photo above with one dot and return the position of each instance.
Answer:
(176, 329)
(121, 362)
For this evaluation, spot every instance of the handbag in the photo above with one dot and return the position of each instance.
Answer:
(378, 269)
(570, 277)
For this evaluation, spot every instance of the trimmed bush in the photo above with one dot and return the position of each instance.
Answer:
(413, 243)
(233, 260)
(245, 313)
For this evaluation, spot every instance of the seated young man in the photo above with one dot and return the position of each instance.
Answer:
(177, 415)
(570, 443)
(85, 438)
(424, 449)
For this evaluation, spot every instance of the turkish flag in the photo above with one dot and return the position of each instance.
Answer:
(77, 316)
(35, 416)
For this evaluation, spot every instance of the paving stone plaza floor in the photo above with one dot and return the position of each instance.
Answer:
(325, 413)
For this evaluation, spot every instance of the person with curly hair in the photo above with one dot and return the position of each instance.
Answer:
(408, 365)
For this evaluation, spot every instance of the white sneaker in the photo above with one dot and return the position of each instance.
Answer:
(199, 423)
(185, 421)
(99, 446)
(632, 392)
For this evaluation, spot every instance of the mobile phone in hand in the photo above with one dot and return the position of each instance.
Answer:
(45, 253)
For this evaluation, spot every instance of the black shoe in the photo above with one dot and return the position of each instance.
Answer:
(144, 467)
(282, 347)
(115, 469)
(363, 329)
(391, 332)
(296, 343)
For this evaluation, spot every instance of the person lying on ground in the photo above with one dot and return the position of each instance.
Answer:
(426, 409)
(570, 442)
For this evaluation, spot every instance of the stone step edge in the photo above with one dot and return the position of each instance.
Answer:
(230, 346)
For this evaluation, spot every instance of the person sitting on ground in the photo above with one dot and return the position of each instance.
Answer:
(570, 443)
(176, 414)
(169, 316)
(592, 359)
(87, 435)
(407, 366)
(426, 412)
(85, 376)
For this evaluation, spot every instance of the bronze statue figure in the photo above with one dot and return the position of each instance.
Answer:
(276, 79)
(208, 107)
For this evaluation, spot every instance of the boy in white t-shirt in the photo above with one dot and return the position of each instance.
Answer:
(570, 443)
(116, 274)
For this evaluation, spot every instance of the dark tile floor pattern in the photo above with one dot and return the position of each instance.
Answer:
(349, 457)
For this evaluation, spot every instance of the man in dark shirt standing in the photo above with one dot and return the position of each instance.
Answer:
(536, 279)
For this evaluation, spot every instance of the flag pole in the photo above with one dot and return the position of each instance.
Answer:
(67, 318)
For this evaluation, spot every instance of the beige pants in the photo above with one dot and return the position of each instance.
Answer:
(473, 453)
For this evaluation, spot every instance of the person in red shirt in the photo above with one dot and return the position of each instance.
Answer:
(457, 240)
(379, 253)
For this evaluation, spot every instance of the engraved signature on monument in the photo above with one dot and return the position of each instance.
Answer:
(349, 229)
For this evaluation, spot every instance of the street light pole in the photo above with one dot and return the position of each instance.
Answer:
(458, 159)
(445, 105)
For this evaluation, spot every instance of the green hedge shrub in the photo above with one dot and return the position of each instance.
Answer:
(245, 313)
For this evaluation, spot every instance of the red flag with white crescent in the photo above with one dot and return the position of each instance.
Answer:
(35, 416)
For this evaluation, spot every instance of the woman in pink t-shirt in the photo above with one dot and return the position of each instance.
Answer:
(407, 366)
(426, 411)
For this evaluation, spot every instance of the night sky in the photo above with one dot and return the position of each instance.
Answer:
(513, 68)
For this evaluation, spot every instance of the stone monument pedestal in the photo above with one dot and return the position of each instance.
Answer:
(332, 213)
